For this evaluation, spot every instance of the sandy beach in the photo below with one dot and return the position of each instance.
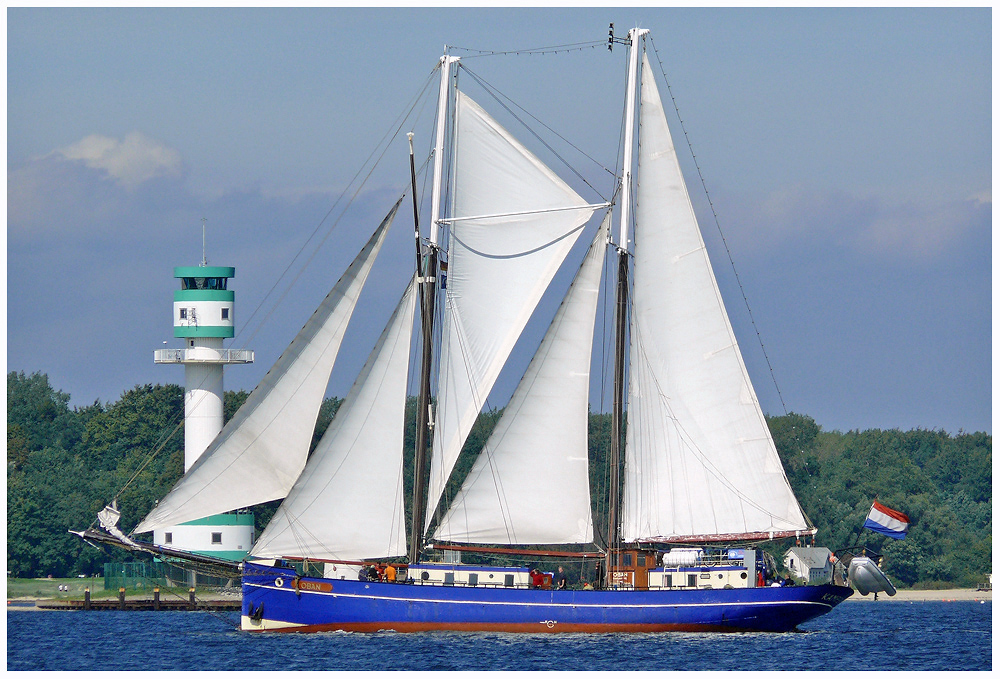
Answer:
(929, 595)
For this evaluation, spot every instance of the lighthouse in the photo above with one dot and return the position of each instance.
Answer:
(204, 314)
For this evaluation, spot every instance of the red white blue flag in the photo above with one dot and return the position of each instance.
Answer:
(887, 521)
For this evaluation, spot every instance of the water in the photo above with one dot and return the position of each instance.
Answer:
(855, 636)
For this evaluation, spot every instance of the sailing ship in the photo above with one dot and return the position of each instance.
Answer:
(701, 482)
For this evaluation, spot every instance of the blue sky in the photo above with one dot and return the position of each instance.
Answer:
(847, 152)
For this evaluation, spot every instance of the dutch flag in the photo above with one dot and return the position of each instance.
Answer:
(887, 521)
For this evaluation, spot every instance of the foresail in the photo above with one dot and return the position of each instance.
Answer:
(513, 223)
(348, 502)
(530, 484)
(699, 457)
(261, 451)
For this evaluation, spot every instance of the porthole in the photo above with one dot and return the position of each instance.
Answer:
(425, 575)
(278, 582)
(743, 575)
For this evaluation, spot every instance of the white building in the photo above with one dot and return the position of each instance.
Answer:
(811, 564)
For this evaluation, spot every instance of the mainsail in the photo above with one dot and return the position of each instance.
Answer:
(700, 462)
(513, 223)
(530, 484)
(348, 502)
(260, 452)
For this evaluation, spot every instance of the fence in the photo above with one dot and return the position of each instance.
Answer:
(134, 575)
(144, 575)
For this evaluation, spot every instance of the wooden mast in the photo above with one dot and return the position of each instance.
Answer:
(428, 288)
(621, 310)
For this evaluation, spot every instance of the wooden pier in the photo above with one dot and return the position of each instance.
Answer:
(123, 603)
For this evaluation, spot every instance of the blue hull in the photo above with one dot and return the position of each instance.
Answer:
(275, 600)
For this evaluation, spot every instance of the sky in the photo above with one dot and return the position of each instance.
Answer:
(847, 154)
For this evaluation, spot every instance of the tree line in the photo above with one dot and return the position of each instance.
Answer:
(65, 463)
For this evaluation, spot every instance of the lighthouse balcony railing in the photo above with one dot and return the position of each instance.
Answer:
(203, 355)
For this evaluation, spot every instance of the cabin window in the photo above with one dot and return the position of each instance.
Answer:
(508, 580)
(449, 578)
(168, 538)
(627, 560)
(473, 579)
(184, 313)
(225, 313)
(216, 538)
(692, 580)
(641, 561)
(670, 580)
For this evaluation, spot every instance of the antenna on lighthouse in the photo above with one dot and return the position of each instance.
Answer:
(204, 260)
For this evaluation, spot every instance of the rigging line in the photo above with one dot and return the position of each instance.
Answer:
(497, 94)
(718, 227)
(550, 49)
(163, 439)
(145, 464)
(386, 141)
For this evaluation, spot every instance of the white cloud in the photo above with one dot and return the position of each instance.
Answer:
(926, 231)
(919, 230)
(131, 161)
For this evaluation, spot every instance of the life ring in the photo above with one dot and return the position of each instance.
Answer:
(278, 582)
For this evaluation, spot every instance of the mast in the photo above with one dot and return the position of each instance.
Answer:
(621, 305)
(428, 287)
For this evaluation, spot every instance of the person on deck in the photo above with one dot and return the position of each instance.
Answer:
(390, 573)
(561, 579)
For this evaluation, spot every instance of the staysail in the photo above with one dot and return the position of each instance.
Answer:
(513, 223)
(530, 484)
(348, 502)
(261, 451)
(700, 462)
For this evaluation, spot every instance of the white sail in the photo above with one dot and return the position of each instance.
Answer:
(261, 451)
(530, 484)
(513, 222)
(348, 502)
(699, 457)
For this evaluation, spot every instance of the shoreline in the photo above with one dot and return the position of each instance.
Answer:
(28, 603)
(927, 595)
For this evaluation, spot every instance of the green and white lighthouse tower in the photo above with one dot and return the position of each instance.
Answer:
(204, 312)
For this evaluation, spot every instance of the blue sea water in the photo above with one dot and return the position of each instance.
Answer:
(890, 635)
